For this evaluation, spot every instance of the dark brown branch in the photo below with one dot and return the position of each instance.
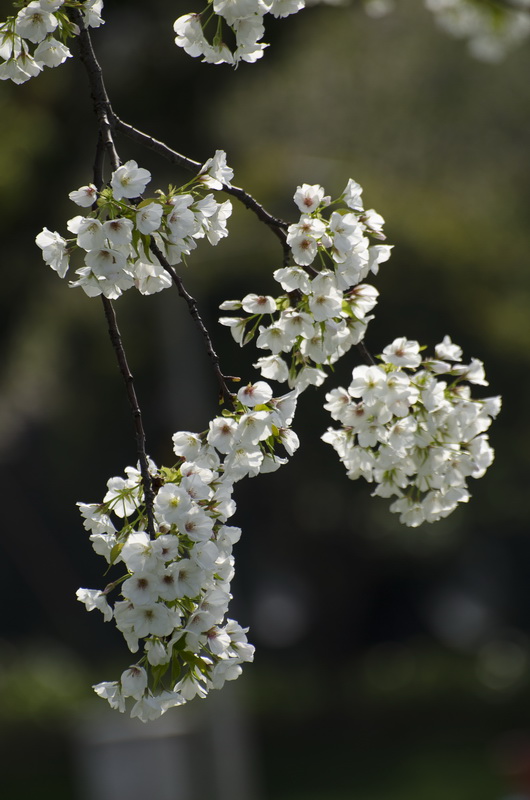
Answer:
(117, 344)
(277, 226)
(224, 392)
(100, 99)
(105, 145)
(99, 161)
(154, 144)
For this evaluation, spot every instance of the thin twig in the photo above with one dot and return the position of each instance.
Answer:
(224, 392)
(117, 344)
(154, 144)
(277, 226)
(366, 355)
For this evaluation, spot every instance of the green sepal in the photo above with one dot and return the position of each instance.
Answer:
(105, 196)
(169, 474)
(115, 552)
(247, 337)
(283, 303)
(346, 308)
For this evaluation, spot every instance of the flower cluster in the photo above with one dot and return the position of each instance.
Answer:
(36, 37)
(117, 236)
(326, 308)
(175, 586)
(243, 18)
(410, 425)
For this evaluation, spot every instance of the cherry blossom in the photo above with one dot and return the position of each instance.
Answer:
(417, 437)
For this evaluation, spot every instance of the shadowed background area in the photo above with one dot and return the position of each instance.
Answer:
(391, 663)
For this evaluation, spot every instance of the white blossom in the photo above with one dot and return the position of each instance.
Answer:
(411, 433)
(129, 180)
(84, 196)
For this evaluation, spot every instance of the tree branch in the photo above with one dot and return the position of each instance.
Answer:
(277, 226)
(154, 144)
(117, 344)
(224, 392)
(100, 99)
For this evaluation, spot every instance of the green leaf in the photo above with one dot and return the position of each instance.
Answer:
(179, 645)
(176, 670)
(158, 673)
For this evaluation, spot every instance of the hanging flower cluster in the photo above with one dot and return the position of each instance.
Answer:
(36, 37)
(175, 587)
(242, 19)
(116, 237)
(411, 426)
(326, 307)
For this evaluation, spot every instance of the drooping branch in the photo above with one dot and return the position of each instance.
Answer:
(117, 344)
(224, 392)
(155, 145)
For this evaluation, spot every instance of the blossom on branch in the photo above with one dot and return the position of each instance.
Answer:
(122, 236)
(175, 586)
(42, 23)
(326, 310)
(419, 438)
